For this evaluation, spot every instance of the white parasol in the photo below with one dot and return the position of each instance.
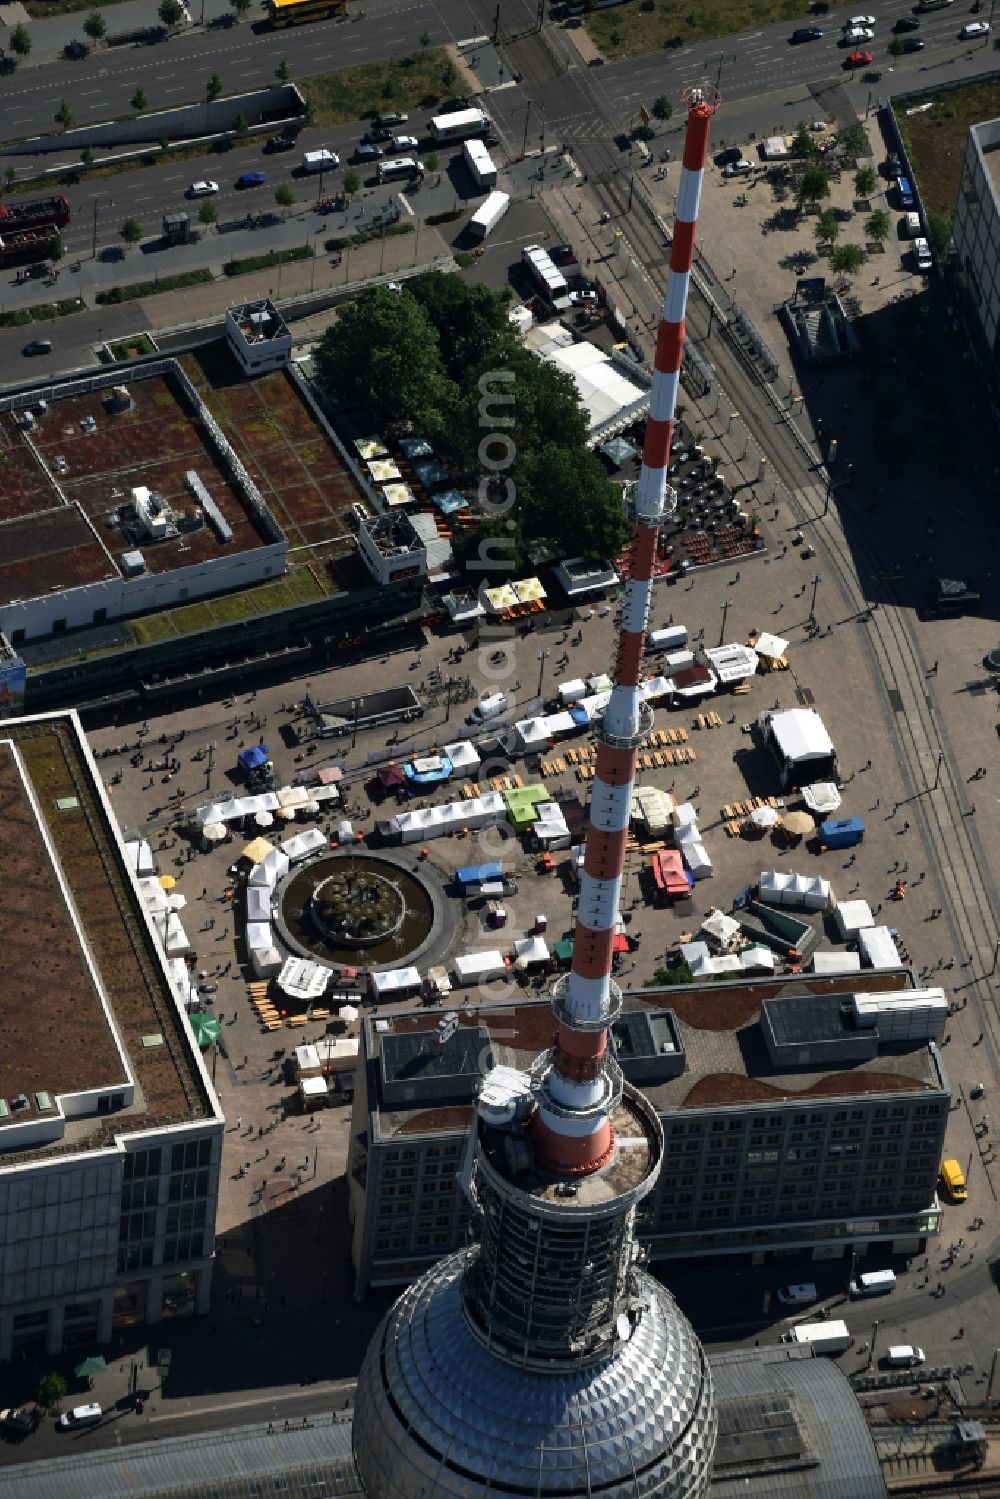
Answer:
(310, 809)
(177, 902)
(763, 817)
(263, 819)
(214, 831)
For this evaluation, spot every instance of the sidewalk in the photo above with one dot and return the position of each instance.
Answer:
(50, 34)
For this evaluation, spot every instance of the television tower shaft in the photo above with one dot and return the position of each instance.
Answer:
(577, 1084)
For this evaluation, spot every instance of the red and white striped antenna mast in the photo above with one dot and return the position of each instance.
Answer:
(577, 1084)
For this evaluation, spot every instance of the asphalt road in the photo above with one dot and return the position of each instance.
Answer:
(758, 68)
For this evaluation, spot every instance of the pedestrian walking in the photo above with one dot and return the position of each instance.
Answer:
(239, 1121)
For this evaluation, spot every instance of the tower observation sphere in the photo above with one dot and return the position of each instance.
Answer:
(542, 1360)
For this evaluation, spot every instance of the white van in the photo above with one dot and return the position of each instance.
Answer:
(81, 1415)
(904, 1356)
(874, 1283)
(399, 166)
(798, 1295)
(320, 161)
(488, 707)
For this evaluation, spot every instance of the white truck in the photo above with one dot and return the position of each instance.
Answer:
(821, 1337)
(480, 164)
(488, 215)
(320, 161)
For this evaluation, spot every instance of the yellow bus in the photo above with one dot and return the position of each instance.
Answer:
(292, 12)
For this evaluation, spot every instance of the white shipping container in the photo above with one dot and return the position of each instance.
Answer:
(480, 163)
(488, 215)
(477, 967)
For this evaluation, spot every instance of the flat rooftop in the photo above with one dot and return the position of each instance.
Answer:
(87, 1007)
(727, 1062)
(66, 485)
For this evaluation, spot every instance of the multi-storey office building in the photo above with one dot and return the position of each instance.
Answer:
(798, 1118)
(110, 1132)
(976, 234)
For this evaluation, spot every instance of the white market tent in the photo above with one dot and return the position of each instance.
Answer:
(140, 856)
(389, 983)
(654, 808)
(153, 894)
(810, 892)
(181, 975)
(821, 796)
(877, 948)
(550, 827)
(592, 706)
(532, 734)
(302, 979)
(301, 845)
(800, 735)
(171, 933)
(608, 396)
(836, 962)
(684, 816)
(266, 961)
(270, 869)
(259, 935)
(696, 858)
(258, 903)
(313, 1089)
(476, 967)
(291, 798)
(654, 688)
(732, 663)
(571, 691)
(529, 952)
(450, 817)
(852, 916)
(463, 756)
(306, 1061)
(770, 646)
(697, 956)
(757, 959)
(721, 929)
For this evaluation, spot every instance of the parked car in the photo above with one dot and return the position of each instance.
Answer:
(19, 1421)
(741, 168)
(728, 156)
(973, 28)
(367, 152)
(922, 252)
(910, 225)
(404, 143)
(38, 346)
(856, 34)
(907, 23)
(800, 1295)
(393, 118)
(202, 189)
(904, 1356)
(280, 143)
(250, 179)
(893, 166)
(913, 44)
(587, 298)
(857, 60)
(806, 34)
(859, 21)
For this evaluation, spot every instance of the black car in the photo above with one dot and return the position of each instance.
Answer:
(907, 23)
(913, 44)
(728, 156)
(806, 34)
(280, 143)
(451, 106)
(38, 346)
(893, 165)
(76, 49)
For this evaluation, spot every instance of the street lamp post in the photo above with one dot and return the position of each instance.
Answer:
(816, 581)
(210, 747)
(527, 118)
(99, 202)
(354, 722)
(871, 1347)
(543, 656)
(725, 615)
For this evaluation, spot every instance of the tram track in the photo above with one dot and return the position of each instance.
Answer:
(936, 796)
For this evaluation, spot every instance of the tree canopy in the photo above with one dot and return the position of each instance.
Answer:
(441, 359)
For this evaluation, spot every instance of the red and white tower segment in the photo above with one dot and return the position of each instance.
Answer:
(577, 1084)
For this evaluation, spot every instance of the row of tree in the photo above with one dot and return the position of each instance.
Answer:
(441, 359)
